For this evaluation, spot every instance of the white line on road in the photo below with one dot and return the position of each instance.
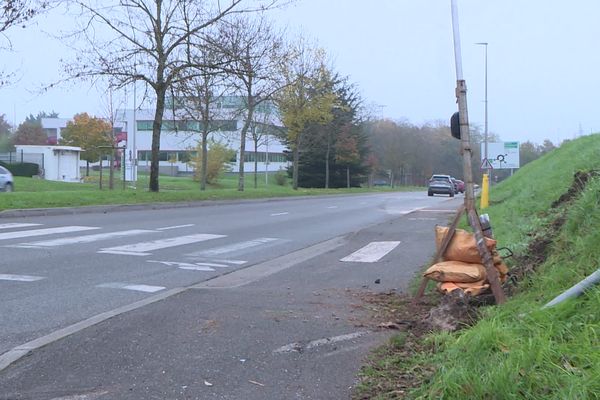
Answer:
(278, 214)
(135, 287)
(184, 265)
(20, 278)
(234, 262)
(232, 247)
(296, 346)
(143, 248)
(85, 238)
(42, 232)
(372, 252)
(174, 227)
(332, 207)
(16, 225)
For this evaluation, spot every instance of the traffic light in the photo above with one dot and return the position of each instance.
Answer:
(455, 126)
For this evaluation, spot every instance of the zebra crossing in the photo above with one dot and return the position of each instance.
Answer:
(208, 260)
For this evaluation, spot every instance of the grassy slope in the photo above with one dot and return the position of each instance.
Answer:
(36, 193)
(518, 350)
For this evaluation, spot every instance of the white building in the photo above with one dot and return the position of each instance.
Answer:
(58, 163)
(180, 138)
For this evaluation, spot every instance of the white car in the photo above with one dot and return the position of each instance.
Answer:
(6, 180)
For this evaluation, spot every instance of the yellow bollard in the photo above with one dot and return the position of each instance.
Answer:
(485, 192)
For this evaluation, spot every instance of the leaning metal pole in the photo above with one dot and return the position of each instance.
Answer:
(466, 151)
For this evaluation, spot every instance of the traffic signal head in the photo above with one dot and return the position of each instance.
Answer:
(455, 126)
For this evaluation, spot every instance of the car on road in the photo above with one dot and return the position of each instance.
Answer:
(460, 185)
(440, 184)
(6, 180)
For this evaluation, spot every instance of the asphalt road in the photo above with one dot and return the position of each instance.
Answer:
(253, 264)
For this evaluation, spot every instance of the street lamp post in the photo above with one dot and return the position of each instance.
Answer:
(485, 154)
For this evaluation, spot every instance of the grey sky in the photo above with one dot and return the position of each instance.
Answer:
(542, 61)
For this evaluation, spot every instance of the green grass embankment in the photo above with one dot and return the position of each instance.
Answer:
(37, 193)
(517, 350)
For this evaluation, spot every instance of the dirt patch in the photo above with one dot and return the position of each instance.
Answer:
(580, 180)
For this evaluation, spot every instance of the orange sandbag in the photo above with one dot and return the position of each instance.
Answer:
(455, 271)
(462, 247)
(471, 289)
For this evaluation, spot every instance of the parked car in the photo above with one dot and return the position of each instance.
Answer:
(6, 180)
(440, 184)
(460, 185)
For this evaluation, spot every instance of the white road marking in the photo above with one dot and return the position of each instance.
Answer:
(234, 262)
(278, 214)
(296, 346)
(16, 225)
(46, 231)
(20, 278)
(332, 207)
(174, 227)
(143, 248)
(84, 238)
(232, 247)
(135, 287)
(184, 265)
(372, 252)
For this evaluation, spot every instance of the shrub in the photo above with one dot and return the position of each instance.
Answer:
(22, 169)
(281, 178)
(219, 157)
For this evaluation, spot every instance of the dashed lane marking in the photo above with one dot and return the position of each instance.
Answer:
(46, 231)
(134, 287)
(144, 248)
(372, 252)
(20, 278)
(278, 214)
(186, 266)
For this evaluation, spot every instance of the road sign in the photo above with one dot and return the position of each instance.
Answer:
(502, 155)
(486, 164)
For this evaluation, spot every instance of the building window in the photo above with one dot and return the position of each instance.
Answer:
(144, 125)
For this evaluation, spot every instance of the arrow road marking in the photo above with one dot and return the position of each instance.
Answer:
(135, 287)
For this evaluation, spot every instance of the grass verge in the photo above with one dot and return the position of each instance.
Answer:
(518, 350)
(36, 193)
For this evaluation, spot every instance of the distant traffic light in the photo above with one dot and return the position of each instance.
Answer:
(455, 126)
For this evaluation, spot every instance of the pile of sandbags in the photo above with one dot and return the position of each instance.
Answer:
(462, 267)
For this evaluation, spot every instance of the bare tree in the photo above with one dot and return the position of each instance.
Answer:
(147, 40)
(200, 97)
(15, 13)
(256, 50)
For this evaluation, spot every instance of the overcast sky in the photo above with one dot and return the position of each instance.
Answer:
(543, 62)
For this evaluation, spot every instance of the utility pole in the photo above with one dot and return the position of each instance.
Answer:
(485, 101)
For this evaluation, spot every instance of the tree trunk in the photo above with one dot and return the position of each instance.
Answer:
(87, 168)
(255, 164)
(327, 163)
(111, 170)
(204, 159)
(156, 126)
(296, 154)
(348, 177)
(100, 180)
(243, 134)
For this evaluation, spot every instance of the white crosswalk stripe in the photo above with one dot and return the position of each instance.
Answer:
(20, 278)
(134, 287)
(14, 225)
(83, 239)
(231, 248)
(372, 252)
(45, 231)
(144, 248)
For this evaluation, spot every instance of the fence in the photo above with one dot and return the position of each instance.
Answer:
(19, 157)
